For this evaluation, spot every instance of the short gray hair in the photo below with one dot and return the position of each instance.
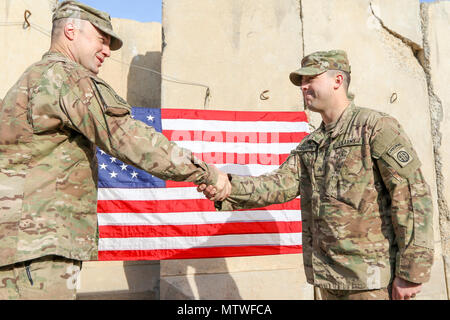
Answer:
(58, 25)
(347, 77)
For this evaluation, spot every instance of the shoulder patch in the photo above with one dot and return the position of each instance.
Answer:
(401, 157)
(400, 154)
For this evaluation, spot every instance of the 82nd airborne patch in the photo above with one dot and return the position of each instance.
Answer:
(400, 155)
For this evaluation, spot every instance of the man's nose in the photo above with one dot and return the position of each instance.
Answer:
(304, 87)
(107, 51)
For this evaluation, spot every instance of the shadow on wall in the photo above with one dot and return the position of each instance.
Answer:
(142, 279)
(144, 85)
(193, 279)
(191, 284)
(200, 279)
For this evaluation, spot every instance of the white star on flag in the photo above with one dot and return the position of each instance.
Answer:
(103, 166)
(113, 174)
(124, 166)
(112, 159)
(134, 175)
(150, 118)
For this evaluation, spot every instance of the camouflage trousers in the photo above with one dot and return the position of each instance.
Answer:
(45, 278)
(331, 294)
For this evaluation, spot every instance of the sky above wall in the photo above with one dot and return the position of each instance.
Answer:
(140, 10)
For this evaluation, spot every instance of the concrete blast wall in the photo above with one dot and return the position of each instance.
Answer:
(436, 20)
(239, 49)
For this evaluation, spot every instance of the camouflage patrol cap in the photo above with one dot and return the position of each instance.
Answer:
(100, 19)
(320, 62)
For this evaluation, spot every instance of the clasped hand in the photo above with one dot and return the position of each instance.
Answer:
(220, 191)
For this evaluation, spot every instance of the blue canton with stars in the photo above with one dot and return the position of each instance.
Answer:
(113, 173)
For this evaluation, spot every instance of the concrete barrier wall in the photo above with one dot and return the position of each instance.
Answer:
(238, 49)
(22, 46)
(436, 19)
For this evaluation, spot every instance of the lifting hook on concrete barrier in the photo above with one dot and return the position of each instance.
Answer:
(394, 97)
(262, 96)
(26, 15)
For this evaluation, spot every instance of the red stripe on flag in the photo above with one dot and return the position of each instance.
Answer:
(148, 231)
(197, 253)
(165, 206)
(176, 184)
(230, 137)
(253, 116)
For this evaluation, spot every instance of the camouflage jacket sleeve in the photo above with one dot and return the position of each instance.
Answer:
(279, 186)
(411, 203)
(93, 109)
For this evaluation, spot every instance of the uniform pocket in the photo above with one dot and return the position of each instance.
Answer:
(423, 215)
(346, 179)
(114, 105)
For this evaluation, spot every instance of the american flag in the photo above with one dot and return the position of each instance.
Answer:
(142, 217)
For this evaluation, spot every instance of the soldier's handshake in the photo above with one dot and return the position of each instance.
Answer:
(219, 192)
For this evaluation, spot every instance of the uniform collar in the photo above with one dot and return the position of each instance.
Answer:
(56, 56)
(343, 120)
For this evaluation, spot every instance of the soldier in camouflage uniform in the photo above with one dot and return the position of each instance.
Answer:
(366, 208)
(51, 121)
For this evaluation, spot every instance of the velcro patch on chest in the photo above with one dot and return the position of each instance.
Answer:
(401, 155)
(349, 143)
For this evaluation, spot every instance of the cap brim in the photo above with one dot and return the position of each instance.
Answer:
(116, 42)
(296, 76)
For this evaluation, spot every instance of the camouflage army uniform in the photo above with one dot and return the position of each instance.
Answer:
(51, 122)
(366, 209)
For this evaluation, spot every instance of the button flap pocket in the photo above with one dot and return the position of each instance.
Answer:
(113, 104)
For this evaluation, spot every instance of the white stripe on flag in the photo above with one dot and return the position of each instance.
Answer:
(267, 239)
(237, 147)
(247, 169)
(188, 218)
(149, 194)
(233, 126)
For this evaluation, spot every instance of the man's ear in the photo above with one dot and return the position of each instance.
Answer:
(338, 81)
(69, 31)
